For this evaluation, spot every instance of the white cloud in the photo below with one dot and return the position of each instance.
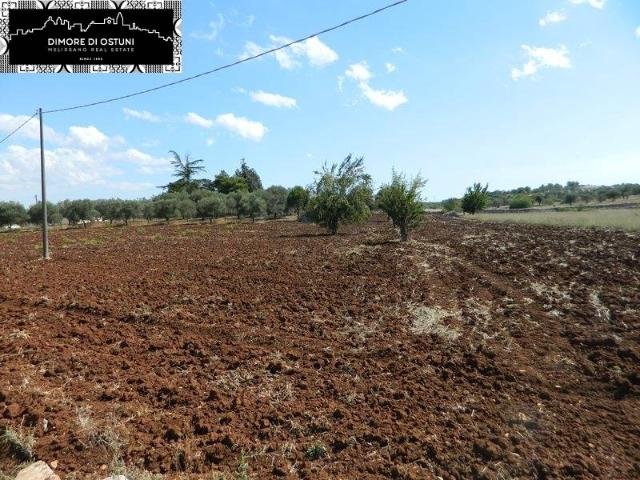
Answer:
(359, 72)
(552, 17)
(88, 137)
(20, 167)
(244, 127)
(388, 99)
(31, 130)
(273, 99)
(199, 121)
(141, 115)
(340, 83)
(314, 51)
(390, 67)
(542, 58)
(215, 27)
(599, 4)
(132, 186)
(210, 142)
(638, 32)
(148, 164)
(397, 50)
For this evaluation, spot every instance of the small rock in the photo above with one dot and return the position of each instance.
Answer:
(54, 464)
(37, 471)
(116, 477)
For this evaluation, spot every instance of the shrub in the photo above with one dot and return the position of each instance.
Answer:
(475, 199)
(297, 200)
(226, 184)
(341, 194)
(520, 202)
(276, 201)
(401, 201)
(451, 204)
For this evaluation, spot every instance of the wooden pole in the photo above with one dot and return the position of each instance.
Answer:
(43, 179)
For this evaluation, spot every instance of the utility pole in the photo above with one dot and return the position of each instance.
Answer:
(43, 178)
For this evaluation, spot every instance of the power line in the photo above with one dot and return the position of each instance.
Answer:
(230, 65)
(16, 130)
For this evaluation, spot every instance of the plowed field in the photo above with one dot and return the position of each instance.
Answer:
(474, 351)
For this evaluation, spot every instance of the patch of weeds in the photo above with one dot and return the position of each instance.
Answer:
(134, 473)
(243, 468)
(17, 443)
(316, 451)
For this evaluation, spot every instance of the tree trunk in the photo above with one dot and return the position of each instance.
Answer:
(404, 233)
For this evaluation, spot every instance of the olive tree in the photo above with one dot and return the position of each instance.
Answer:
(12, 213)
(341, 194)
(53, 214)
(276, 201)
(253, 205)
(211, 206)
(165, 207)
(402, 201)
(76, 211)
(297, 200)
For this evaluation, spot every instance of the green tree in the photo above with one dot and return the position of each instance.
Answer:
(76, 211)
(341, 194)
(401, 200)
(53, 214)
(297, 200)
(539, 199)
(226, 184)
(184, 170)
(570, 198)
(253, 205)
(129, 209)
(212, 206)
(108, 209)
(12, 213)
(276, 201)
(250, 176)
(165, 207)
(148, 210)
(187, 208)
(475, 198)
(236, 201)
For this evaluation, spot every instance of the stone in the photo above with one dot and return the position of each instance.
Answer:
(116, 477)
(37, 471)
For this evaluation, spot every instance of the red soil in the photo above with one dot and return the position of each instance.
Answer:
(184, 348)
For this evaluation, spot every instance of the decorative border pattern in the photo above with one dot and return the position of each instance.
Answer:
(175, 5)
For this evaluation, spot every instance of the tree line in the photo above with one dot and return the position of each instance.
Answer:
(342, 193)
(477, 197)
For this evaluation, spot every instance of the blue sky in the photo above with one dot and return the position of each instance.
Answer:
(509, 93)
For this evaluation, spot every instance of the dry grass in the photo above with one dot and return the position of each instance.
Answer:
(623, 218)
(19, 443)
(430, 321)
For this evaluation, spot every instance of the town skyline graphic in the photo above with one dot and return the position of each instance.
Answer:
(118, 20)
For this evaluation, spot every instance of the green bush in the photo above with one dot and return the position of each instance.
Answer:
(53, 214)
(451, 204)
(401, 200)
(520, 202)
(341, 194)
(475, 199)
